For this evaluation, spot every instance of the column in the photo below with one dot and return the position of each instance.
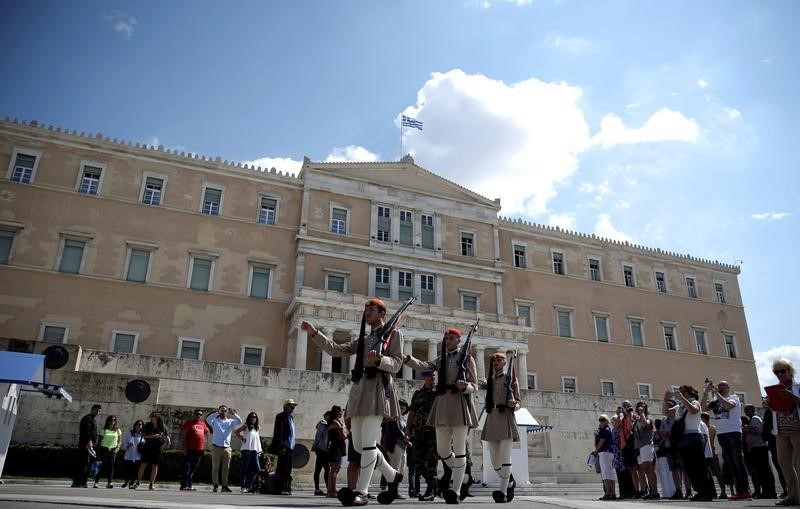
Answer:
(301, 347)
(408, 346)
(522, 370)
(326, 365)
(432, 349)
(480, 363)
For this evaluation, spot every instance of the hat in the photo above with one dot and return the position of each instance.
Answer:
(376, 302)
(453, 330)
(426, 372)
(289, 401)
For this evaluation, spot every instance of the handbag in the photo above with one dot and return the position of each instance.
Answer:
(94, 468)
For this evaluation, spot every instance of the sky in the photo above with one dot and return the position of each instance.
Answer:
(666, 124)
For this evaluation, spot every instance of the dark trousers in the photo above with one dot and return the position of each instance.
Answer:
(81, 467)
(250, 468)
(413, 476)
(731, 444)
(283, 471)
(625, 482)
(131, 471)
(190, 461)
(692, 454)
(762, 473)
(109, 458)
(321, 465)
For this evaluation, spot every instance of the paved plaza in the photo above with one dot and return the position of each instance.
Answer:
(18, 493)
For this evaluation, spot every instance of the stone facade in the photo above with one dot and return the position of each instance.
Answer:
(143, 251)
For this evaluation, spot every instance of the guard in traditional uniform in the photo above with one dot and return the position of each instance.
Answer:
(452, 414)
(372, 397)
(422, 435)
(500, 427)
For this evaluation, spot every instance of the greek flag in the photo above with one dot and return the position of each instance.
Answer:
(412, 122)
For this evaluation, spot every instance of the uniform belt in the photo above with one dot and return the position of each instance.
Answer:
(500, 408)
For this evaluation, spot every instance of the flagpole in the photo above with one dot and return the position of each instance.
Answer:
(401, 137)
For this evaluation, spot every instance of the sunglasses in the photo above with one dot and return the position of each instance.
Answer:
(780, 371)
(602, 420)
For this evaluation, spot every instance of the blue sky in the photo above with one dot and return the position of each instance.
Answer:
(669, 124)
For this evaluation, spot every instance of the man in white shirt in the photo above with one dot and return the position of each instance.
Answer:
(727, 410)
(221, 426)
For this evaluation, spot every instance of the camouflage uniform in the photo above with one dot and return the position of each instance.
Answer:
(424, 439)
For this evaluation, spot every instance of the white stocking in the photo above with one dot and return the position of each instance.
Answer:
(364, 440)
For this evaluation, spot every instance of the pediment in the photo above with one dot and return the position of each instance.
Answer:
(404, 174)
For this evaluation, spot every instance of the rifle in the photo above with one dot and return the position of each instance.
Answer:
(509, 378)
(383, 335)
(462, 359)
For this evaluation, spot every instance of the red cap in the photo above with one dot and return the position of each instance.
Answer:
(376, 302)
(498, 354)
(453, 330)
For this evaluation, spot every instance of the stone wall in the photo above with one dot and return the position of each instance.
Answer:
(178, 386)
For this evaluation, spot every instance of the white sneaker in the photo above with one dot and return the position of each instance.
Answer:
(243, 490)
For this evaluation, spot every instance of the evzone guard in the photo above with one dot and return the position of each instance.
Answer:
(500, 426)
(372, 394)
(452, 414)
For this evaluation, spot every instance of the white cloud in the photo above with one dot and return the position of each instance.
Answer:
(771, 216)
(623, 204)
(764, 362)
(600, 190)
(702, 83)
(122, 23)
(566, 221)
(284, 164)
(574, 44)
(604, 228)
(733, 113)
(663, 125)
(351, 153)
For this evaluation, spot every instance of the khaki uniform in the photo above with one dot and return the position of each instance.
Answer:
(451, 409)
(500, 423)
(367, 396)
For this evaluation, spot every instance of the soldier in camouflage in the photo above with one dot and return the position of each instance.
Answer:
(423, 436)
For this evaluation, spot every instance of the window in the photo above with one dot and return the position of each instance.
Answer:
(382, 282)
(91, 177)
(384, 223)
(669, 338)
(124, 342)
(644, 391)
(519, 256)
(52, 333)
(601, 328)
(700, 341)
(427, 231)
(335, 283)
(428, 288)
(742, 397)
(23, 165)
(558, 263)
(259, 282)
(607, 388)
(720, 291)
(138, 265)
(191, 349)
(405, 285)
(730, 345)
(212, 201)
(594, 269)
(252, 355)
(153, 190)
(637, 336)
(627, 270)
(469, 302)
(6, 242)
(661, 282)
(406, 227)
(339, 221)
(72, 256)
(266, 214)
(200, 272)
(564, 321)
(467, 244)
(569, 384)
(532, 381)
(524, 311)
(691, 289)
